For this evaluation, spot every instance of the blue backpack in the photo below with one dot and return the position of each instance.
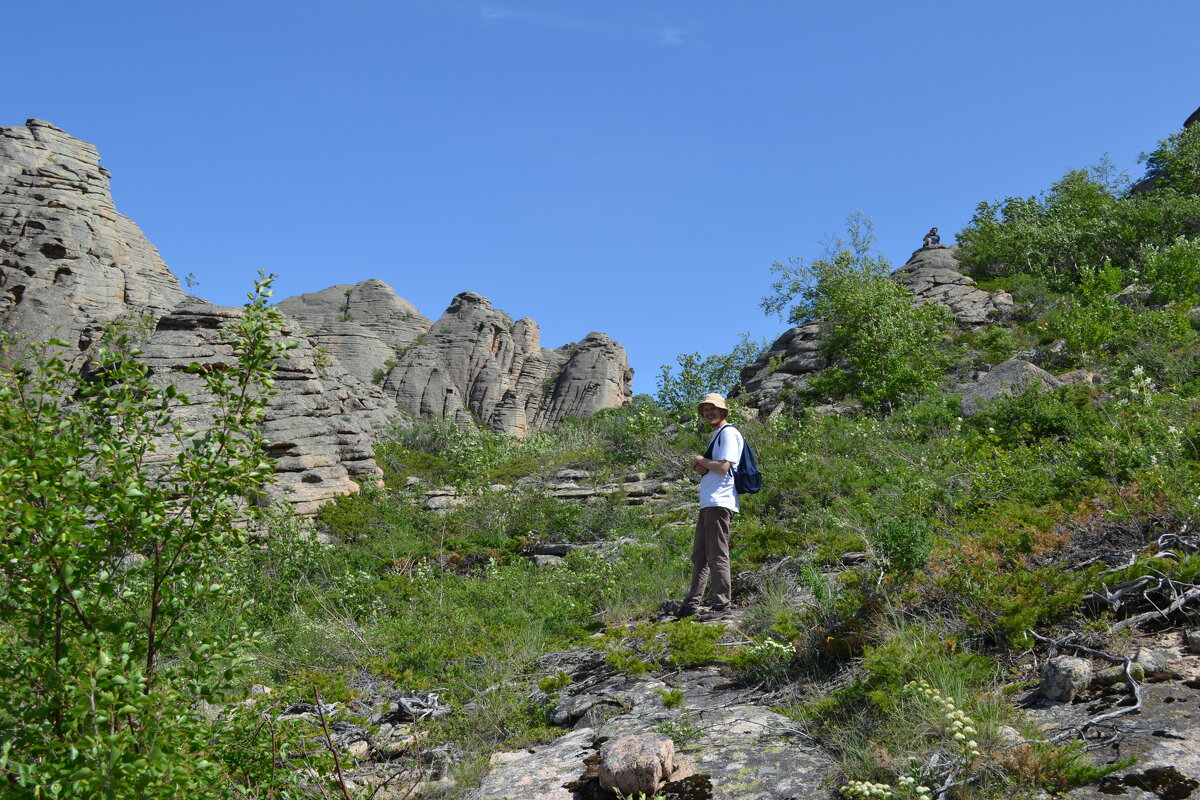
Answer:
(746, 477)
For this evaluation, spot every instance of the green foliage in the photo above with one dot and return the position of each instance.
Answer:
(768, 662)
(1173, 270)
(994, 343)
(882, 347)
(681, 387)
(1076, 224)
(683, 730)
(902, 544)
(442, 452)
(118, 525)
(671, 698)
(1174, 166)
(554, 683)
(1087, 220)
(128, 331)
(1039, 414)
(646, 646)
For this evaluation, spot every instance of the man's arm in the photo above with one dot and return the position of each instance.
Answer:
(701, 465)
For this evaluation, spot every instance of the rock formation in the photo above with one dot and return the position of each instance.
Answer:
(932, 274)
(1005, 380)
(319, 426)
(741, 751)
(364, 326)
(473, 363)
(69, 263)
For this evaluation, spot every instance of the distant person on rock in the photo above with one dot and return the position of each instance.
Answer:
(931, 238)
(718, 504)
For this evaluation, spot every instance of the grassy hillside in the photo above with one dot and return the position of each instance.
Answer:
(903, 552)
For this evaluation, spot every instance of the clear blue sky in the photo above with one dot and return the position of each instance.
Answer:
(629, 166)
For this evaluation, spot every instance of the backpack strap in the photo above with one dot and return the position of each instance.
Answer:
(716, 438)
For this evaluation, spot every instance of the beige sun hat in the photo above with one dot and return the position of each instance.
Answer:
(712, 399)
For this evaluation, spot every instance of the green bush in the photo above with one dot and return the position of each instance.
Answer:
(1173, 270)
(118, 524)
(1174, 166)
(902, 543)
(646, 646)
(1087, 219)
(882, 347)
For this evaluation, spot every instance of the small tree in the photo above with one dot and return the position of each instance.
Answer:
(881, 346)
(680, 390)
(117, 527)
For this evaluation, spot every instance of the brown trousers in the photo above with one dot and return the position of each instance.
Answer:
(710, 554)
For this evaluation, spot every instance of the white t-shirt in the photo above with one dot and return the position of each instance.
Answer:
(717, 489)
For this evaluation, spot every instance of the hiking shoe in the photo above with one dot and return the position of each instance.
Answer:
(687, 611)
(716, 615)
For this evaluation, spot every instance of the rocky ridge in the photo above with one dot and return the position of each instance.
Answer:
(71, 266)
(725, 743)
(475, 362)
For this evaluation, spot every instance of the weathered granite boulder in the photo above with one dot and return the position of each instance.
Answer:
(473, 363)
(1161, 740)
(1064, 677)
(537, 773)
(365, 326)
(736, 748)
(934, 276)
(1010, 378)
(775, 380)
(636, 764)
(69, 263)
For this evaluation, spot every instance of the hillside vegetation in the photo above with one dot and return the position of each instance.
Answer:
(900, 559)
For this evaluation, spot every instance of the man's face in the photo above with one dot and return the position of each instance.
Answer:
(712, 415)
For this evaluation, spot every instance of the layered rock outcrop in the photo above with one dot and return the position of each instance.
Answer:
(364, 326)
(69, 263)
(319, 426)
(932, 274)
(475, 362)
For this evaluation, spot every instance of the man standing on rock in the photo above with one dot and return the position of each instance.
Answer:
(718, 504)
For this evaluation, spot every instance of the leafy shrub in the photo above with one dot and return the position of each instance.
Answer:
(903, 544)
(882, 347)
(554, 683)
(1174, 166)
(1173, 270)
(646, 646)
(768, 661)
(671, 698)
(1038, 414)
(1086, 220)
(118, 523)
